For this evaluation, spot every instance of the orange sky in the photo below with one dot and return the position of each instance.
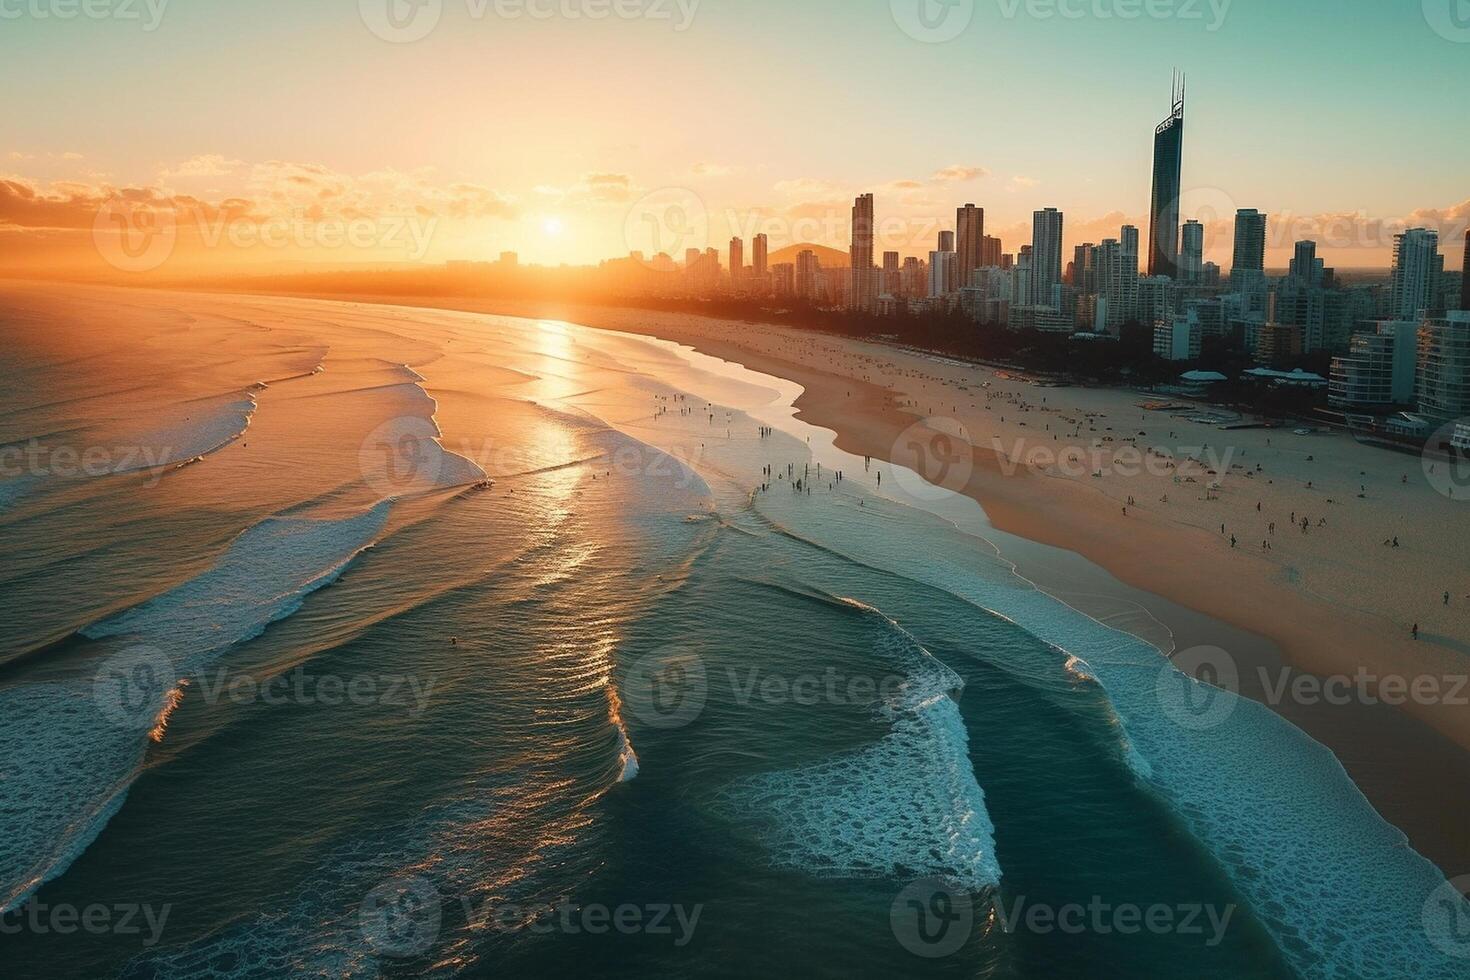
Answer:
(276, 134)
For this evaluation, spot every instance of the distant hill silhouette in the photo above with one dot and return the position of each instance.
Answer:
(830, 258)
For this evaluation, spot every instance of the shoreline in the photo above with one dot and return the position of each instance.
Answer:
(1068, 537)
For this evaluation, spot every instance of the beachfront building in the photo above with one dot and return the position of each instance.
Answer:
(915, 278)
(1444, 366)
(1465, 277)
(1248, 270)
(862, 293)
(1046, 256)
(1180, 339)
(1158, 299)
(892, 274)
(941, 273)
(1378, 371)
(1417, 269)
(761, 257)
(969, 225)
(783, 278)
(808, 271)
(990, 252)
(737, 262)
(1044, 318)
(1192, 252)
(1117, 283)
(1163, 226)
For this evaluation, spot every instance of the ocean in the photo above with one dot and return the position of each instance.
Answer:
(350, 640)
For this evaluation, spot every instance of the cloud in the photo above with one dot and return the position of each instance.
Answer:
(206, 165)
(1020, 183)
(957, 174)
(712, 170)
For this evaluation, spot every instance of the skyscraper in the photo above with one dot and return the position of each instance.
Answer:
(990, 252)
(737, 260)
(1129, 238)
(1417, 266)
(970, 232)
(1465, 277)
(761, 256)
(1046, 255)
(1192, 252)
(1163, 229)
(892, 274)
(862, 295)
(808, 269)
(1305, 266)
(1249, 267)
(1084, 268)
(942, 274)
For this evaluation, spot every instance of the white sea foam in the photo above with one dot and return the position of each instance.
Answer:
(1338, 887)
(70, 750)
(907, 806)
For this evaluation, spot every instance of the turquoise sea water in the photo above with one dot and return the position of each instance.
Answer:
(639, 709)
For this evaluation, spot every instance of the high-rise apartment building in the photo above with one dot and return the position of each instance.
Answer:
(1417, 268)
(808, 272)
(1444, 366)
(970, 241)
(861, 294)
(760, 257)
(1163, 231)
(1046, 255)
(990, 252)
(1248, 270)
(1465, 277)
(892, 274)
(737, 260)
(1192, 252)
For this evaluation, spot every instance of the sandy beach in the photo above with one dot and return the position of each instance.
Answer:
(1316, 624)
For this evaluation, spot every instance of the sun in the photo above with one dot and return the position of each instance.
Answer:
(552, 226)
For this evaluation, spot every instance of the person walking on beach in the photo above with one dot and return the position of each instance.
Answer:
(1415, 631)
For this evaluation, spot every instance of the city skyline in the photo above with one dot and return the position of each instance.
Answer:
(563, 193)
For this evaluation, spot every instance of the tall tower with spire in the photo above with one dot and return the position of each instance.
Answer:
(1163, 232)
